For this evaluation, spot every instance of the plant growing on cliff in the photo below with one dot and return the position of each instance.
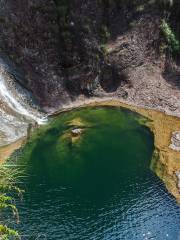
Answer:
(171, 38)
(9, 176)
(105, 34)
(104, 49)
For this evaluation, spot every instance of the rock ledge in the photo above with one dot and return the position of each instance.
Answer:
(175, 141)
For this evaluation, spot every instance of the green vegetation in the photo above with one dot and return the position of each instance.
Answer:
(105, 34)
(9, 175)
(104, 37)
(7, 233)
(104, 49)
(171, 38)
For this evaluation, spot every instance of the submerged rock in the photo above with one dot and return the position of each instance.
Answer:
(77, 123)
(76, 132)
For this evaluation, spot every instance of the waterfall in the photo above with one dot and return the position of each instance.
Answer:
(17, 106)
(8, 98)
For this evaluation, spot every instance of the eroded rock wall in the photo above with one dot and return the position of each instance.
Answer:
(67, 49)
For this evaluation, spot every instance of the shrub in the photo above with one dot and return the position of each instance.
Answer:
(104, 49)
(171, 38)
(105, 34)
(9, 176)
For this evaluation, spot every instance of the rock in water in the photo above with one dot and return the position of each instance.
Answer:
(76, 131)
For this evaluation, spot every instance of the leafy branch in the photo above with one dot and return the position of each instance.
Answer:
(9, 177)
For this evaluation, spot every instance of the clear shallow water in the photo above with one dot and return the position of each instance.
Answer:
(98, 187)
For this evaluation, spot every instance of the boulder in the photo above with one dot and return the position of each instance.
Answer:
(76, 132)
(175, 141)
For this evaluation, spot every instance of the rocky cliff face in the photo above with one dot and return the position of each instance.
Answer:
(66, 49)
(29, 36)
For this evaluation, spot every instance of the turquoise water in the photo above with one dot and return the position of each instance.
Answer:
(96, 186)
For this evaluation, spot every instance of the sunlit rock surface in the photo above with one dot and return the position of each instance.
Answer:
(17, 107)
(175, 141)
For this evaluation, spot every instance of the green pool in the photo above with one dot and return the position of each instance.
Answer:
(88, 177)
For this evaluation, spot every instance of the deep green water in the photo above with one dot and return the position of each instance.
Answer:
(99, 187)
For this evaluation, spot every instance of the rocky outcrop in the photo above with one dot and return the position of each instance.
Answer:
(178, 178)
(29, 36)
(175, 141)
(17, 106)
(76, 132)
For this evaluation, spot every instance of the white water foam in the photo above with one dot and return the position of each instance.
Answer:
(14, 104)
